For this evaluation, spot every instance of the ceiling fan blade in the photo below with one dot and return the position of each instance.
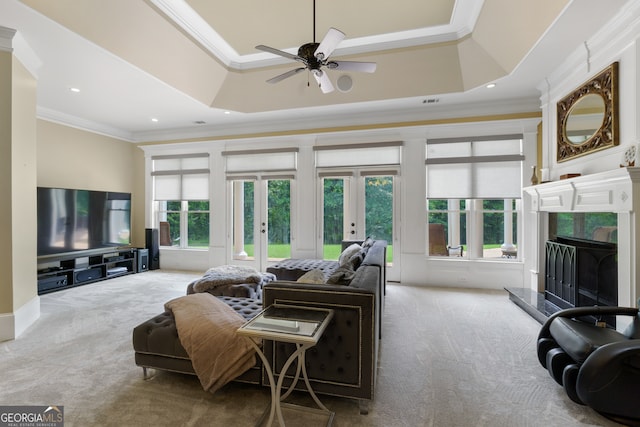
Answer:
(283, 76)
(280, 53)
(329, 43)
(323, 81)
(365, 67)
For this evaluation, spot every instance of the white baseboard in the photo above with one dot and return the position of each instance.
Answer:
(7, 327)
(14, 324)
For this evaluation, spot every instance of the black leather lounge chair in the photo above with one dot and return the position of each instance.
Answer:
(597, 365)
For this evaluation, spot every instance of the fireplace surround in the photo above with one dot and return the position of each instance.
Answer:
(616, 191)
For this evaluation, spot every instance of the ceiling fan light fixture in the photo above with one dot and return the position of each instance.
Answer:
(314, 56)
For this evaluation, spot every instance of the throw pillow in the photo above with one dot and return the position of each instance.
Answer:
(356, 259)
(312, 276)
(367, 243)
(348, 253)
(342, 276)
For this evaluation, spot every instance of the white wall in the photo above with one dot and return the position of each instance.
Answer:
(417, 268)
(617, 42)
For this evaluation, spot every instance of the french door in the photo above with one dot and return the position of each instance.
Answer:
(356, 204)
(261, 219)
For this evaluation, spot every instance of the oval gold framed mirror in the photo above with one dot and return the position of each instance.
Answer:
(588, 117)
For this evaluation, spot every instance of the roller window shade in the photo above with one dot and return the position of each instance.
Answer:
(484, 169)
(167, 187)
(178, 163)
(281, 160)
(195, 186)
(181, 177)
(376, 154)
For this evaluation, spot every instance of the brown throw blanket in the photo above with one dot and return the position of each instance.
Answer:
(207, 330)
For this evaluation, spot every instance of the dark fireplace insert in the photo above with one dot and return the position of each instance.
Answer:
(581, 272)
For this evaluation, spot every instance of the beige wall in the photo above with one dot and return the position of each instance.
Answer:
(17, 187)
(72, 158)
(6, 270)
(23, 185)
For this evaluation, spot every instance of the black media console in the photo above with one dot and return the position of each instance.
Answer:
(74, 270)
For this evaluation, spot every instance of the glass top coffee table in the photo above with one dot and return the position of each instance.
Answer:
(302, 326)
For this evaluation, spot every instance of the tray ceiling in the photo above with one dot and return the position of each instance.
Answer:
(186, 63)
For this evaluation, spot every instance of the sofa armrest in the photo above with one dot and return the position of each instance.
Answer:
(344, 361)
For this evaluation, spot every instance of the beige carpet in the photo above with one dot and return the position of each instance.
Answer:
(447, 358)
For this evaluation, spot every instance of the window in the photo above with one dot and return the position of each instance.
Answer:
(473, 196)
(181, 195)
(184, 218)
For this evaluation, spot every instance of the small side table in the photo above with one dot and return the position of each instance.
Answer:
(302, 326)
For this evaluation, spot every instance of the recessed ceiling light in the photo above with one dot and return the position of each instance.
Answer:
(154, 120)
(74, 89)
(199, 122)
(227, 112)
(491, 85)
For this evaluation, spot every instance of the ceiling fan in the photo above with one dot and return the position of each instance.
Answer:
(315, 57)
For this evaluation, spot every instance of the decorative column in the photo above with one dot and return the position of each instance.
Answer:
(453, 220)
(238, 220)
(475, 236)
(508, 247)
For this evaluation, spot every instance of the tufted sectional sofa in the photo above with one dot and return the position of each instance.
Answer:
(343, 363)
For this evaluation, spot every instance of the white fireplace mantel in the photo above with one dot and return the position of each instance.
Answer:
(616, 191)
(610, 191)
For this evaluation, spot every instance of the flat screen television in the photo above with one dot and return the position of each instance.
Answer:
(81, 220)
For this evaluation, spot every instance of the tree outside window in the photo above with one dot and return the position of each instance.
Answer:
(489, 225)
(188, 223)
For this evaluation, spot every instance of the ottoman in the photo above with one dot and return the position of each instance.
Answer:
(157, 345)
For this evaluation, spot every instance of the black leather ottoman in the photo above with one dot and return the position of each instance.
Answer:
(157, 345)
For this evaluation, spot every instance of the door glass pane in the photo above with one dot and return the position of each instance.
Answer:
(243, 213)
(333, 216)
(279, 219)
(248, 215)
(379, 210)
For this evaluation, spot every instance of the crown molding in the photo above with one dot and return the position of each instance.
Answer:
(82, 124)
(390, 117)
(186, 18)
(595, 53)
(6, 39)
(26, 55)
(464, 18)
(12, 41)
